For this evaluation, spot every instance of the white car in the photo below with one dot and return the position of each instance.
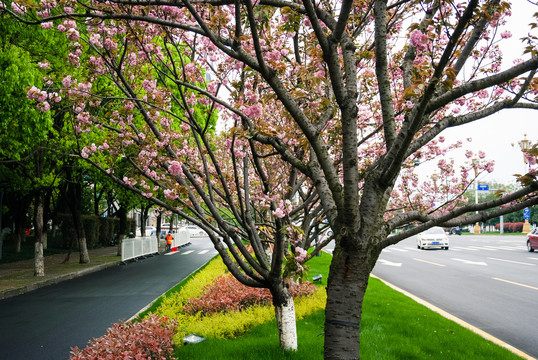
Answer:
(150, 231)
(195, 231)
(434, 238)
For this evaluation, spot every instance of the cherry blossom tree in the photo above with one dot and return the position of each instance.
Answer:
(329, 107)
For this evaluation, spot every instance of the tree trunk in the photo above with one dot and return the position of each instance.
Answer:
(74, 200)
(346, 286)
(39, 262)
(285, 316)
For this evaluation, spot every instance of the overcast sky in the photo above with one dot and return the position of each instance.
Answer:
(496, 134)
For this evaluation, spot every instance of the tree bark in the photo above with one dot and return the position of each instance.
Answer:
(74, 200)
(346, 286)
(285, 316)
(39, 261)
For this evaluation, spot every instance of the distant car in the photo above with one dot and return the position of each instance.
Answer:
(532, 240)
(150, 231)
(434, 238)
(455, 231)
(195, 230)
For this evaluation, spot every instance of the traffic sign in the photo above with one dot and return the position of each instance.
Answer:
(483, 187)
(526, 214)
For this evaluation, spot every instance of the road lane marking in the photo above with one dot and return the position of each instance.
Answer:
(482, 248)
(463, 248)
(533, 258)
(385, 262)
(187, 252)
(512, 261)
(171, 253)
(428, 262)
(516, 283)
(401, 250)
(203, 252)
(459, 321)
(470, 262)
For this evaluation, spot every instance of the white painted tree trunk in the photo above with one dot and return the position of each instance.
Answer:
(39, 261)
(287, 329)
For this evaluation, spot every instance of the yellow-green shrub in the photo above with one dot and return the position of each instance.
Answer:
(230, 324)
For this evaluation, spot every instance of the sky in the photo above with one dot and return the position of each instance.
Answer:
(499, 134)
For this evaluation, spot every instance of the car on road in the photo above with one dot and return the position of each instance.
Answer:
(455, 231)
(150, 231)
(434, 238)
(532, 240)
(195, 231)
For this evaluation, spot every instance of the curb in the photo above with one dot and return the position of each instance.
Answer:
(458, 321)
(55, 280)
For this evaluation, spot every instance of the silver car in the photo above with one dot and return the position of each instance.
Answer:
(434, 238)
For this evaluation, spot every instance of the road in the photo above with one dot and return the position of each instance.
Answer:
(46, 323)
(490, 282)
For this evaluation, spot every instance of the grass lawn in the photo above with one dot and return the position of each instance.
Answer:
(393, 327)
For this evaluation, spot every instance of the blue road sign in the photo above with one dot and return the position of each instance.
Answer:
(526, 214)
(483, 187)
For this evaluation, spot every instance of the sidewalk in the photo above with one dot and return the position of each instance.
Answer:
(18, 277)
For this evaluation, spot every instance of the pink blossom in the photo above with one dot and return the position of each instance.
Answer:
(301, 254)
(61, 28)
(18, 9)
(279, 213)
(47, 25)
(72, 34)
(418, 40)
(506, 34)
(44, 106)
(175, 168)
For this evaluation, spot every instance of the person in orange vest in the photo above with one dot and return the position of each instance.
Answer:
(169, 239)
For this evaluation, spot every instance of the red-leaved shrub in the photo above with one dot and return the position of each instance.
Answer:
(511, 227)
(149, 339)
(226, 293)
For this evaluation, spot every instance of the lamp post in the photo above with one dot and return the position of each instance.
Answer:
(475, 164)
(525, 145)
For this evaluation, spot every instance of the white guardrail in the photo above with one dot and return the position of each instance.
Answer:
(132, 248)
(181, 238)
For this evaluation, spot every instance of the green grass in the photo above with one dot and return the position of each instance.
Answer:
(393, 327)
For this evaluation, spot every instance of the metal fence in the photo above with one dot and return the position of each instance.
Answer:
(132, 248)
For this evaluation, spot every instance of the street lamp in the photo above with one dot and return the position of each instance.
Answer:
(475, 164)
(525, 145)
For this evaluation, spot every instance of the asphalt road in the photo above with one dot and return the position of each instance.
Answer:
(46, 323)
(490, 282)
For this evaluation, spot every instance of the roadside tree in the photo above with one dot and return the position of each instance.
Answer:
(328, 108)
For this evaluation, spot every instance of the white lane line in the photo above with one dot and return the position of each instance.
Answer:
(464, 248)
(516, 283)
(429, 262)
(385, 262)
(482, 248)
(203, 252)
(171, 253)
(512, 261)
(187, 252)
(533, 258)
(470, 262)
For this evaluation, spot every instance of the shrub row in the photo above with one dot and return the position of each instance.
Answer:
(230, 324)
(99, 231)
(228, 294)
(149, 339)
(516, 227)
